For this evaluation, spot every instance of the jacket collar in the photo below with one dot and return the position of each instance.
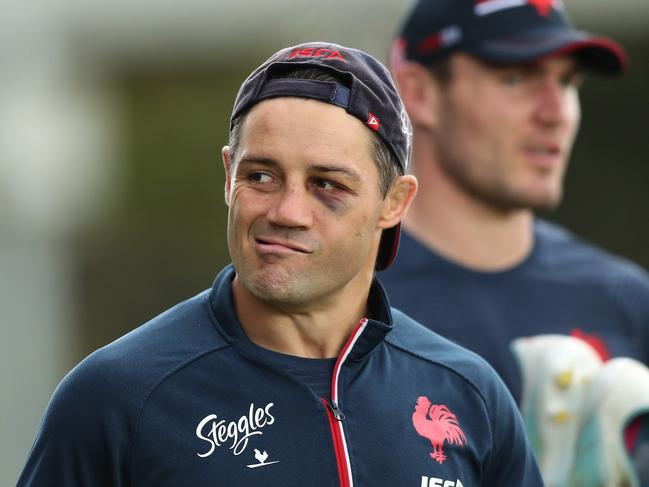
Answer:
(221, 303)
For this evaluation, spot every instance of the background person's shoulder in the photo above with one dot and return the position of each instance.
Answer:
(560, 248)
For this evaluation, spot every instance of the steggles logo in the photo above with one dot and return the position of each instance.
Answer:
(235, 434)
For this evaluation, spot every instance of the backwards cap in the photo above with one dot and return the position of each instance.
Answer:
(501, 31)
(368, 94)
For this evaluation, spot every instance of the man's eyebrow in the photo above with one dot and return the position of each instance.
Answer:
(333, 168)
(321, 167)
(533, 67)
(500, 67)
(265, 161)
(575, 70)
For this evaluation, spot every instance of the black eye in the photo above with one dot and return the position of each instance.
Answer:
(325, 184)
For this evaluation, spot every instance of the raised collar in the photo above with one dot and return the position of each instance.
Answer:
(222, 306)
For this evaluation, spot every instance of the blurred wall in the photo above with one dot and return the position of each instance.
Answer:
(111, 185)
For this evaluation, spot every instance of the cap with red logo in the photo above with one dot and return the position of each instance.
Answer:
(368, 93)
(501, 31)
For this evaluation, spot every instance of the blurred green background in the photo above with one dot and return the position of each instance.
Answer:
(111, 179)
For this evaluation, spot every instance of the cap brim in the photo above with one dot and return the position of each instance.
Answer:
(597, 54)
(388, 247)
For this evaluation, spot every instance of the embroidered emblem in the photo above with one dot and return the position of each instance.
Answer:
(318, 52)
(438, 424)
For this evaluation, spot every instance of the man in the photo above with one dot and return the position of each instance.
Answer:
(293, 370)
(491, 87)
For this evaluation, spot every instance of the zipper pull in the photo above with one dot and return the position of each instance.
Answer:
(338, 414)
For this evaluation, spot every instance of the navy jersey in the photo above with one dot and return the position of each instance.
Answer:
(187, 399)
(565, 286)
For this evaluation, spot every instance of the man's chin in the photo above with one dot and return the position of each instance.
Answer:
(274, 286)
(546, 202)
(531, 200)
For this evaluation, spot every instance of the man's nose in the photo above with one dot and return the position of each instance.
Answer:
(291, 207)
(553, 103)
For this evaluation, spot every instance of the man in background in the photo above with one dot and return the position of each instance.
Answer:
(491, 87)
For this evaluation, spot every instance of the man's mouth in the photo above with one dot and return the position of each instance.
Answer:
(274, 245)
(544, 156)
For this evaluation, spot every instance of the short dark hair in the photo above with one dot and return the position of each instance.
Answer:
(386, 162)
(441, 70)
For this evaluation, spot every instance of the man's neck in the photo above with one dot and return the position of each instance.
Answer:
(303, 331)
(465, 230)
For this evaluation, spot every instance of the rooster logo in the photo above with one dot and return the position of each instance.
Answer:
(261, 457)
(438, 424)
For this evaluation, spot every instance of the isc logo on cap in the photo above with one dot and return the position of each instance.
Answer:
(319, 52)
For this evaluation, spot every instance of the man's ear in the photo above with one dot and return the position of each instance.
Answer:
(227, 165)
(398, 200)
(420, 92)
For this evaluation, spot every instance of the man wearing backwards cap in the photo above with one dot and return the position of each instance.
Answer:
(292, 369)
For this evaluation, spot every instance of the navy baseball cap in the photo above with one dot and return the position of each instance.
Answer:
(501, 31)
(368, 93)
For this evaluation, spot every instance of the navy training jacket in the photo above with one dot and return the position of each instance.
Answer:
(188, 400)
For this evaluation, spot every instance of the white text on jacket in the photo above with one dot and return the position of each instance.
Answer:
(233, 433)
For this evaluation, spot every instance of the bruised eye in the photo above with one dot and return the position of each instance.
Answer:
(331, 188)
(332, 194)
(325, 184)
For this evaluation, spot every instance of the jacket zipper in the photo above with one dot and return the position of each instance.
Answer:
(335, 414)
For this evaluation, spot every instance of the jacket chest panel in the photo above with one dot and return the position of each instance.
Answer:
(405, 429)
(199, 430)
(397, 445)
